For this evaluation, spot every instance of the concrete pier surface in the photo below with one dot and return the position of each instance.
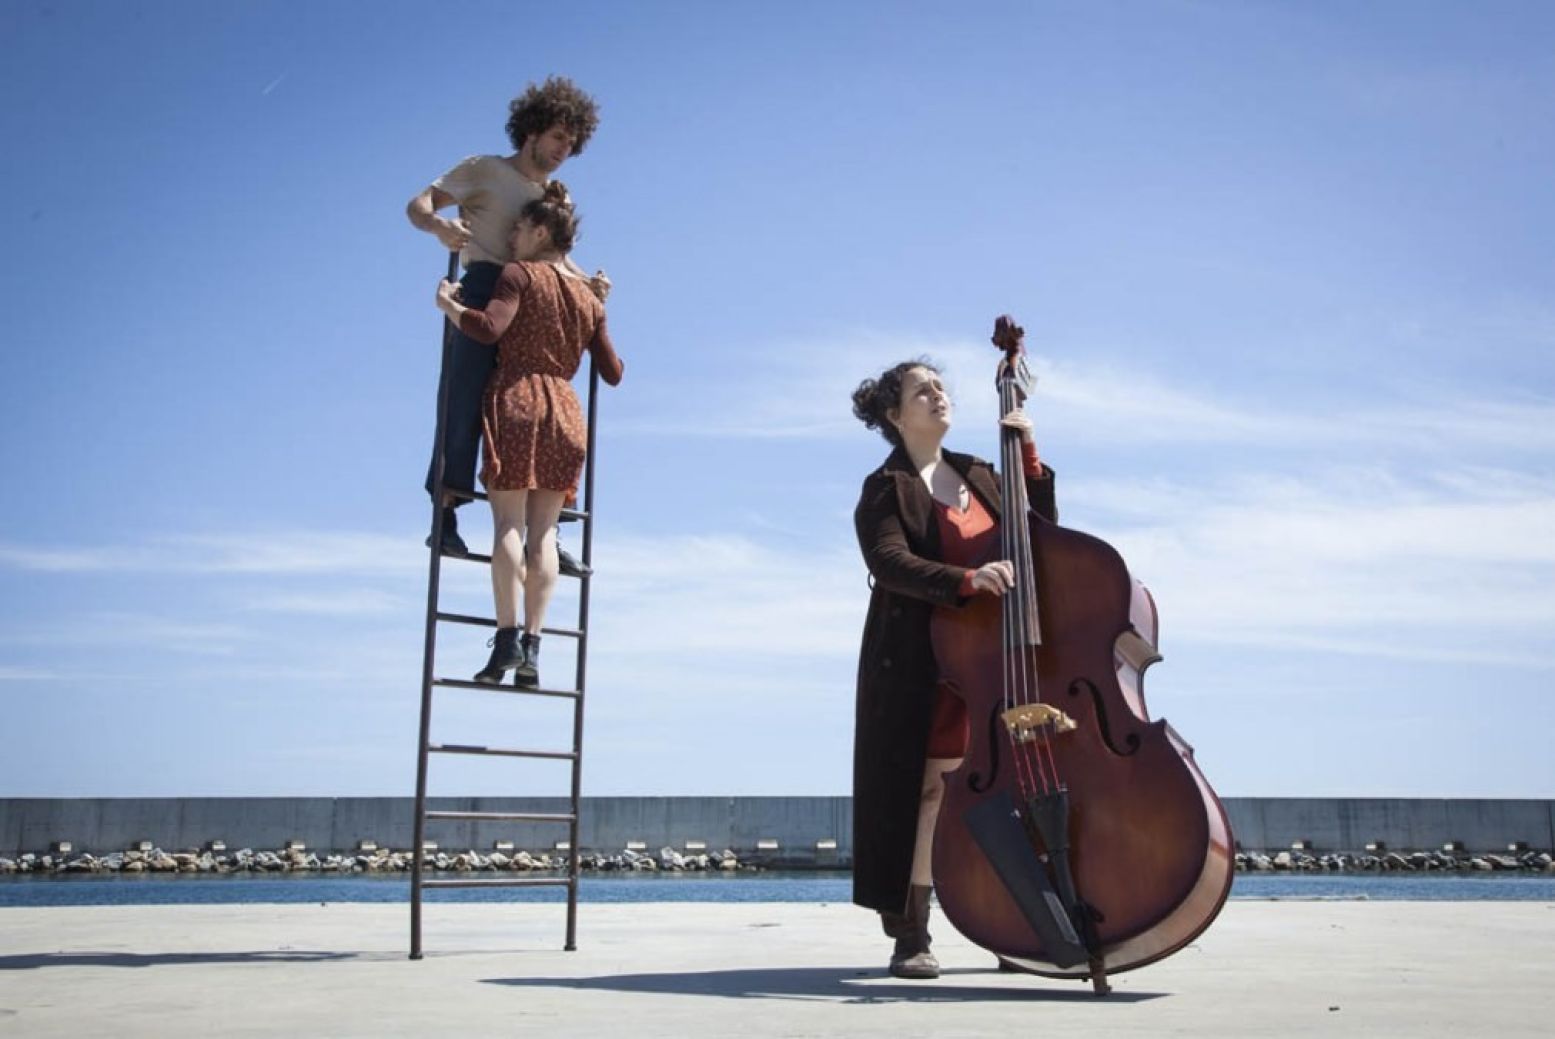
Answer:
(1284, 968)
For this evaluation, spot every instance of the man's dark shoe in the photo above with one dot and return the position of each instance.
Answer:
(453, 544)
(506, 654)
(527, 674)
(570, 566)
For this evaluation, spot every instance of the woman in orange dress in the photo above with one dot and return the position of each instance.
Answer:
(542, 317)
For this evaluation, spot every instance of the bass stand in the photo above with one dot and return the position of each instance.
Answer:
(1048, 815)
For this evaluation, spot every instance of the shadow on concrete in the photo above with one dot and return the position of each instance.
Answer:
(832, 985)
(35, 961)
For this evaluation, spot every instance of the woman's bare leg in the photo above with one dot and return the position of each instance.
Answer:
(507, 553)
(539, 576)
(929, 799)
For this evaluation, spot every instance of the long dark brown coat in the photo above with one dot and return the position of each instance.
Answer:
(896, 673)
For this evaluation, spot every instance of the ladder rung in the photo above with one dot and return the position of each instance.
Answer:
(481, 557)
(532, 817)
(504, 882)
(465, 618)
(459, 683)
(566, 514)
(491, 622)
(465, 748)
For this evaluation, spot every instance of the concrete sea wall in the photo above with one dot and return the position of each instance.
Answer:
(801, 830)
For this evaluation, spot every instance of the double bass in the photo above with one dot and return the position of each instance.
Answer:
(1078, 838)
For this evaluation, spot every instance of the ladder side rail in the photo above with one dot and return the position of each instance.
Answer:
(429, 648)
(582, 657)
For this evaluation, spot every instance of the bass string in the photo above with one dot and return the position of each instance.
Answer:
(1021, 607)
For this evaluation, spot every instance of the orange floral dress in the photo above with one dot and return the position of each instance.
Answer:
(542, 321)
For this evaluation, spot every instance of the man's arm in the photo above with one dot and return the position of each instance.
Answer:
(422, 211)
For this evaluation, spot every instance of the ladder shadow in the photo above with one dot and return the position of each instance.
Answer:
(825, 984)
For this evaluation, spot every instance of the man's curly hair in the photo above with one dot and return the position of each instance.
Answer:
(557, 100)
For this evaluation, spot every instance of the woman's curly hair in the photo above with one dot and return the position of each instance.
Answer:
(554, 212)
(557, 100)
(875, 397)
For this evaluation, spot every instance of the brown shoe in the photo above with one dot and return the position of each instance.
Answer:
(911, 958)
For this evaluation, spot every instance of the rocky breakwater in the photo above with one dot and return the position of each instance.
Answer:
(382, 860)
(1393, 862)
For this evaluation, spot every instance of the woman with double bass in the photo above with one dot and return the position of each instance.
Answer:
(1003, 756)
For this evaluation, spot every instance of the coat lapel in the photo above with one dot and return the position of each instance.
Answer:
(980, 479)
(913, 503)
(916, 506)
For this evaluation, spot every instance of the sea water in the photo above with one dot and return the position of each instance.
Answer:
(79, 889)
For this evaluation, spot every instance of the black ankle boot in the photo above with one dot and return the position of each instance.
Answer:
(506, 654)
(528, 672)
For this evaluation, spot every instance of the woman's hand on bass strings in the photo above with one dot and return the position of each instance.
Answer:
(1019, 420)
(995, 578)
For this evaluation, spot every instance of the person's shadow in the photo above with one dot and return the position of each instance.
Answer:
(833, 985)
(39, 960)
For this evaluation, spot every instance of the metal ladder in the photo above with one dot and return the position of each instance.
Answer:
(429, 681)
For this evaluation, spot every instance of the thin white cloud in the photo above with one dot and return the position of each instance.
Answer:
(801, 390)
(333, 602)
(52, 560)
(259, 552)
(1424, 570)
(729, 595)
(17, 673)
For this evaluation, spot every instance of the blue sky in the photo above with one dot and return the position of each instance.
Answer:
(1286, 271)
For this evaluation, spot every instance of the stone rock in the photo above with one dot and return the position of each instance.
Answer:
(1480, 864)
(669, 858)
(1282, 860)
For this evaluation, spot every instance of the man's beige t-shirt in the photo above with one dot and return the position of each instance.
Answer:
(491, 194)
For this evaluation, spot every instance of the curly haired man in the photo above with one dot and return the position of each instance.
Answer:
(547, 124)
